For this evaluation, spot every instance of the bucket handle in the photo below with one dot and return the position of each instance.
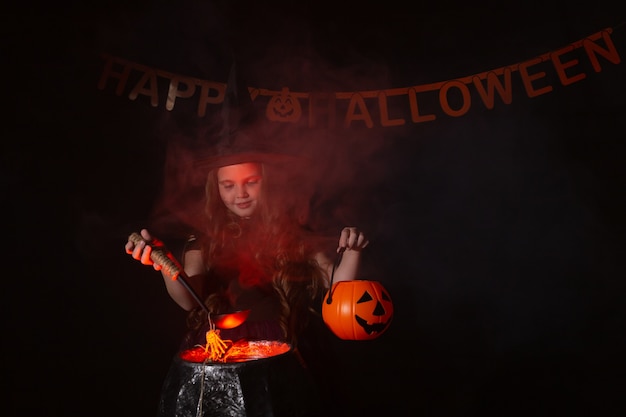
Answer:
(332, 275)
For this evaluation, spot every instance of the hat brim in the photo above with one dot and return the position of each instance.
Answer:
(278, 159)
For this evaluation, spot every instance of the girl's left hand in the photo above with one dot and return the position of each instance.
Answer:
(352, 238)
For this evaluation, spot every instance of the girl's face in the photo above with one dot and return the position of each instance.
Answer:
(240, 187)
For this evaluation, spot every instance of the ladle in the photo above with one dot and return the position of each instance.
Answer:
(174, 269)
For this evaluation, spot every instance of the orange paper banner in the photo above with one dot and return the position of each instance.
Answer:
(386, 107)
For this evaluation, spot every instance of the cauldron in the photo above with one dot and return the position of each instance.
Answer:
(250, 385)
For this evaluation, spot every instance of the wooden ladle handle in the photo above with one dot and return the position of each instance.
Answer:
(160, 255)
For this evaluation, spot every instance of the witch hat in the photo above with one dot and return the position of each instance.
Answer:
(244, 135)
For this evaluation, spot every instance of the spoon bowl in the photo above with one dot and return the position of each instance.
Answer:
(230, 320)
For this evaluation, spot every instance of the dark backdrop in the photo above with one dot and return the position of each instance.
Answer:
(499, 234)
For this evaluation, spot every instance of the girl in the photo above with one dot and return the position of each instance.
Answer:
(252, 255)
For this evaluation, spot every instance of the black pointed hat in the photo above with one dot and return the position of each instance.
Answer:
(244, 136)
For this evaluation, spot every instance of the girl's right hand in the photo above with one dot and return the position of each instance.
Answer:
(142, 250)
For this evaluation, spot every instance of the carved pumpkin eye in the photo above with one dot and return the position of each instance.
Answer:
(357, 317)
(365, 297)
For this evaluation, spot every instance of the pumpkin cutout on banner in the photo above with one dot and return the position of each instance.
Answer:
(283, 107)
(357, 310)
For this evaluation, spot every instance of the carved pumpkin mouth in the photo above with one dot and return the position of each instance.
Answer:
(282, 112)
(371, 328)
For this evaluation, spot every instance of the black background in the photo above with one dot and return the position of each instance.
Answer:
(499, 234)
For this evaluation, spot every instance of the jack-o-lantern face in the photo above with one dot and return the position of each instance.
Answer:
(283, 107)
(358, 310)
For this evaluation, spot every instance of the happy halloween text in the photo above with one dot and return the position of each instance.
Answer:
(388, 107)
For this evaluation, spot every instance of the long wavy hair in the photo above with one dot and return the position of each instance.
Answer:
(278, 245)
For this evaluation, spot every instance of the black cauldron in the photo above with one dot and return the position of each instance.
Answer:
(274, 386)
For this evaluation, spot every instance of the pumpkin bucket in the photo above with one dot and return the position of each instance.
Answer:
(357, 310)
